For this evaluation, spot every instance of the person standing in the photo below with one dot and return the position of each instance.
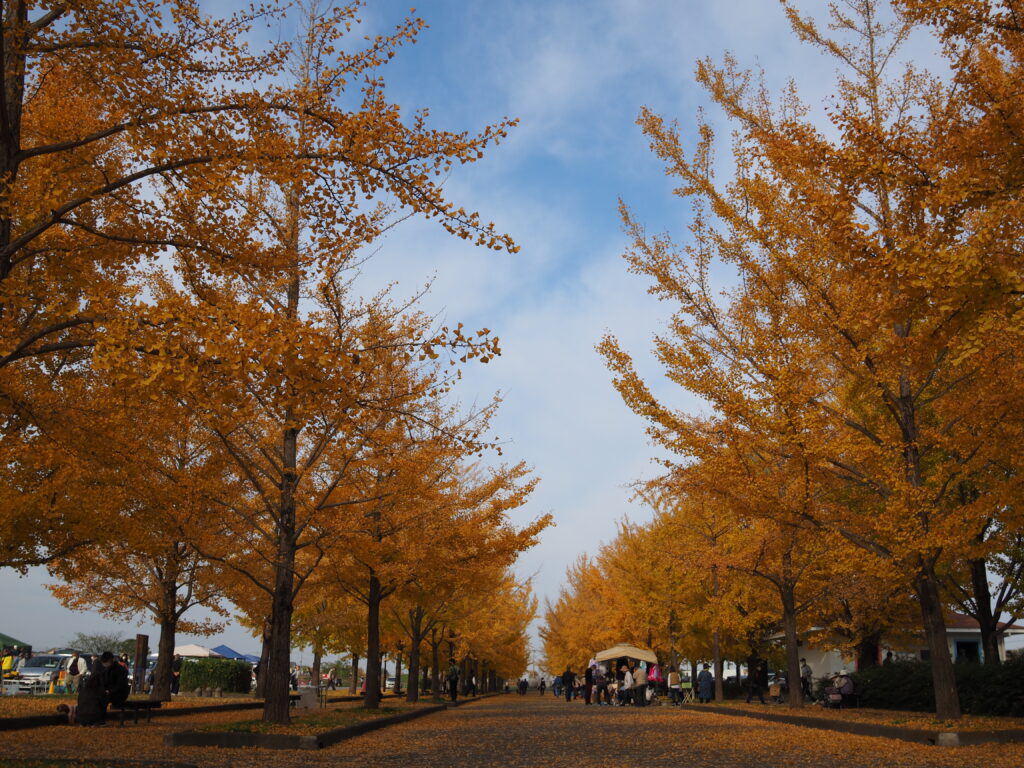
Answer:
(806, 678)
(588, 685)
(76, 668)
(601, 684)
(453, 680)
(673, 687)
(568, 678)
(705, 685)
(542, 687)
(7, 665)
(176, 674)
(640, 686)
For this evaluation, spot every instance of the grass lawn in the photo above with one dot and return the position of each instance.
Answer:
(24, 706)
(87, 763)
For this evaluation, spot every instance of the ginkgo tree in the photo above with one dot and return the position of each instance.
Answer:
(163, 474)
(870, 366)
(268, 344)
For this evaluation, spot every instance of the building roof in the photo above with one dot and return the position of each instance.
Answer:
(962, 621)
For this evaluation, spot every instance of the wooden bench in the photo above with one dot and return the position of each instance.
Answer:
(135, 706)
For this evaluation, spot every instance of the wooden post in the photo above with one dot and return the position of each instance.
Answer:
(139, 663)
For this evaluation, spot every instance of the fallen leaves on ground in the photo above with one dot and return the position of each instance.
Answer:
(530, 731)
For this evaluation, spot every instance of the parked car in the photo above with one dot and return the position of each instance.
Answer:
(42, 669)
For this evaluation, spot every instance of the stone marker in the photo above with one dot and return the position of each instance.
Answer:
(308, 699)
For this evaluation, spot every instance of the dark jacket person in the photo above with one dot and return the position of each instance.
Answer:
(114, 678)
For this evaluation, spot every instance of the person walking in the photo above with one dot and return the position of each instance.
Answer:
(806, 679)
(755, 668)
(542, 687)
(640, 686)
(705, 685)
(568, 678)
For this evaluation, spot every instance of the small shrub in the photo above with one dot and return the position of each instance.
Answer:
(226, 674)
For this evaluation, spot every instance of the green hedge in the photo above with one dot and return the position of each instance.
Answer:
(228, 675)
(984, 690)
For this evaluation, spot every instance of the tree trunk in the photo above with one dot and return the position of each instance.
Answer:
(867, 651)
(318, 655)
(947, 700)
(788, 594)
(435, 660)
(13, 54)
(165, 655)
(983, 612)
(416, 638)
(398, 673)
(373, 655)
(261, 676)
(276, 694)
(276, 706)
(353, 684)
(716, 651)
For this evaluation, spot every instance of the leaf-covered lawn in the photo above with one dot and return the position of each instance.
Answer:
(520, 732)
(24, 706)
(921, 720)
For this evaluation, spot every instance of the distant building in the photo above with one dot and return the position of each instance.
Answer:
(962, 632)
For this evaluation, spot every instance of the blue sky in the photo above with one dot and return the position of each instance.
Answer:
(576, 73)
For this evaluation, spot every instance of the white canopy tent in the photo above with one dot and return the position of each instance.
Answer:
(627, 651)
(194, 650)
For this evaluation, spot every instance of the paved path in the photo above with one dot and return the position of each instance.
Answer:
(518, 731)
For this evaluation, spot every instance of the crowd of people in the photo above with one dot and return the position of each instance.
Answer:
(625, 682)
(636, 683)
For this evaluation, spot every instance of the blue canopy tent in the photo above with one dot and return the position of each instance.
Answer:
(228, 653)
(250, 658)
